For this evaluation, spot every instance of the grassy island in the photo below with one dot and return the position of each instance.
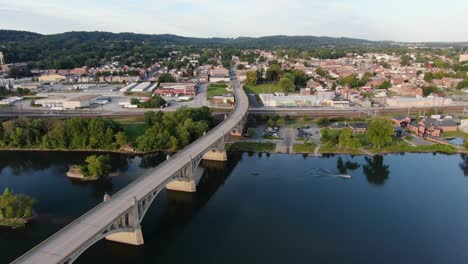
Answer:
(15, 209)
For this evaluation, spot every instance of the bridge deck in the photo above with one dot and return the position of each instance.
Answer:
(83, 232)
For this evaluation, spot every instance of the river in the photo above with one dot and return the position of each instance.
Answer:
(410, 208)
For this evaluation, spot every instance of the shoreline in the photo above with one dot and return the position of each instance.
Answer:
(85, 150)
(256, 147)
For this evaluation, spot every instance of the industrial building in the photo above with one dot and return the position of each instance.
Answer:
(405, 102)
(219, 75)
(184, 89)
(270, 100)
(64, 102)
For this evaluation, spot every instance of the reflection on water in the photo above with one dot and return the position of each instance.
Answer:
(375, 170)
(235, 217)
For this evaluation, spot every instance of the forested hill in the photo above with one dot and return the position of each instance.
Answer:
(13, 35)
(168, 39)
(74, 49)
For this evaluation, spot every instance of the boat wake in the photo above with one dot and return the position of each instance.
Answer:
(319, 172)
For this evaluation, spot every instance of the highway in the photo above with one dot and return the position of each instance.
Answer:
(88, 229)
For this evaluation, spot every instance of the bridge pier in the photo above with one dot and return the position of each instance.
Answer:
(186, 185)
(216, 155)
(132, 219)
(134, 238)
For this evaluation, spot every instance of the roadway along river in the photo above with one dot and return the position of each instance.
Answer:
(410, 208)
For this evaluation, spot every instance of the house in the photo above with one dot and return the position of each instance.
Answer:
(416, 128)
(433, 127)
(359, 128)
(401, 120)
(445, 125)
(305, 91)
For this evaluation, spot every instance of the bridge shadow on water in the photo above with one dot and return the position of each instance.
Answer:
(166, 219)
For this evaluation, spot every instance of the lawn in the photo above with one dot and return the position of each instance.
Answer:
(266, 88)
(133, 130)
(305, 148)
(404, 147)
(455, 134)
(216, 90)
(254, 147)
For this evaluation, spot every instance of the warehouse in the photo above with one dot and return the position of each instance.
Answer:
(80, 101)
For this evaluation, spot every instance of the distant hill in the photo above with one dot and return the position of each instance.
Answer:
(13, 35)
(168, 39)
(75, 49)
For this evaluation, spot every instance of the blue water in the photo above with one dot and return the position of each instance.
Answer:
(409, 208)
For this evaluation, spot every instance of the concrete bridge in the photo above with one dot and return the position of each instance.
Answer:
(118, 218)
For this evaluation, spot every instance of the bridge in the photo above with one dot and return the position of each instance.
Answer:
(118, 218)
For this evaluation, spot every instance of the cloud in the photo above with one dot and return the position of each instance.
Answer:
(371, 19)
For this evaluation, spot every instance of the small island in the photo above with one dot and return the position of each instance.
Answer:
(97, 167)
(16, 210)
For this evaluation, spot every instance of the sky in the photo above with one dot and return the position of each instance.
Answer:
(397, 20)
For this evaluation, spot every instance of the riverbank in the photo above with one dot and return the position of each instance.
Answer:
(127, 152)
(309, 148)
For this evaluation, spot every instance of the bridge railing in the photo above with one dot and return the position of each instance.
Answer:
(101, 205)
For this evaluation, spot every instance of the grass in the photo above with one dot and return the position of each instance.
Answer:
(455, 134)
(254, 147)
(263, 88)
(133, 130)
(270, 137)
(216, 90)
(404, 147)
(129, 119)
(305, 148)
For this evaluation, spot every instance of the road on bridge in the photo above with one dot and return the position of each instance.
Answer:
(70, 242)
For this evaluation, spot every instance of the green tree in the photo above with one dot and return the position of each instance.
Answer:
(97, 166)
(252, 78)
(380, 132)
(345, 138)
(385, 85)
(280, 122)
(287, 85)
(274, 73)
(429, 90)
(121, 139)
(251, 132)
(166, 78)
(428, 77)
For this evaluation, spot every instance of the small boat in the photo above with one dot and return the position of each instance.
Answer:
(346, 176)
(255, 173)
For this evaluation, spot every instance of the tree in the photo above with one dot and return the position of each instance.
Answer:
(345, 138)
(321, 72)
(241, 67)
(280, 122)
(273, 73)
(428, 77)
(165, 78)
(15, 206)
(380, 132)
(287, 85)
(405, 60)
(251, 132)
(120, 139)
(428, 90)
(252, 78)
(385, 85)
(97, 166)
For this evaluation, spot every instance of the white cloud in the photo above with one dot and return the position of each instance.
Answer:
(398, 20)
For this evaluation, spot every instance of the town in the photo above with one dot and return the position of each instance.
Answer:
(424, 92)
